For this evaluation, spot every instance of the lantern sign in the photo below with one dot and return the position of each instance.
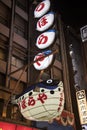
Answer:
(42, 101)
(42, 8)
(45, 22)
(42, 60)
(45, 39)
(82, 106)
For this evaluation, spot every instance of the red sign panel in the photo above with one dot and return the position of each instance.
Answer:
(10, 126)
(7, 126)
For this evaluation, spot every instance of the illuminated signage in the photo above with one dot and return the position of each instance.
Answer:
(45, 39)
(83, 32)
(7, 126)
(42, 101)
(45, 22)
(11, 126)
(42, 60)
(42, 8)
(82, 106)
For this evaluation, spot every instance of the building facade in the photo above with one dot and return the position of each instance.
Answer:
(17, 50)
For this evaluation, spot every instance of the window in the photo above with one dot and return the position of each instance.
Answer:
(17, 62)
(1, 106)
(20, 26)
(23, 4)
(20, 87)
(4, 14)
(3, 47)
(2, 79)
(19, 55)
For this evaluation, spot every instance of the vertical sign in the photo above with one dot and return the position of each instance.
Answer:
(83, 32)
(82, 106)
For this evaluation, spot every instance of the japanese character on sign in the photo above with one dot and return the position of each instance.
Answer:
(40, 7)
(39, 58)
(42, 97)
(42, 39)
(31, 101)
(42, 22)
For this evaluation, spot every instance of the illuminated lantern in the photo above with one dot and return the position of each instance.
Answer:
(42, 101)
(43, 60)
(42, 8)
(45, 22)
(45, 39)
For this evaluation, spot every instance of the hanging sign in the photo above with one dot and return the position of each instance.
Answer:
(82, 106)
(42, 60)
(42, 8)
(45, 22)
(83, 32)
(45, 39)
(42, 101)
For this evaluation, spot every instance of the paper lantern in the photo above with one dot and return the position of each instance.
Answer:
(45, 22)
(43, 60)
(45, 39)
(42, 101)
(42, 8)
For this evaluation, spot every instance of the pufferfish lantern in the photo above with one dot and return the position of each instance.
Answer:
(42, 101)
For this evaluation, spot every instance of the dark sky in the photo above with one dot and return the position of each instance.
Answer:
(73, 12)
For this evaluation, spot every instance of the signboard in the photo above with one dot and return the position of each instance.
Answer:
(42, 62)
(45, 39)
(82, 106)
(45, 22)
(42, 8)
(43, 101)
(11, 126)
(83, 32)
(7, 126)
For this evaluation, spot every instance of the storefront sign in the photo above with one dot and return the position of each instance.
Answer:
(83, 32)
(42, 60)
(11, 126)
(82, 106)
(42, 101)
(45, 22)
(45, 39)
(42, 8)
(7, 126)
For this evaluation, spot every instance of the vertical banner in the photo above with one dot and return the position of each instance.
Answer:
(82, 106)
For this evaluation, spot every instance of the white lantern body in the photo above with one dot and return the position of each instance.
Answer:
(45, 22)
(43, 101)
(45, 39)
(42, 60)
(42, 9)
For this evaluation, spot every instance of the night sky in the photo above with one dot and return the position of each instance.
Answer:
(73, 12)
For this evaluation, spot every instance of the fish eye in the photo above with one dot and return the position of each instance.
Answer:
(30, 93)
(51, 92)
(49, 81)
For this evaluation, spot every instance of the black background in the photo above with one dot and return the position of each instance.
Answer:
(73, 12)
